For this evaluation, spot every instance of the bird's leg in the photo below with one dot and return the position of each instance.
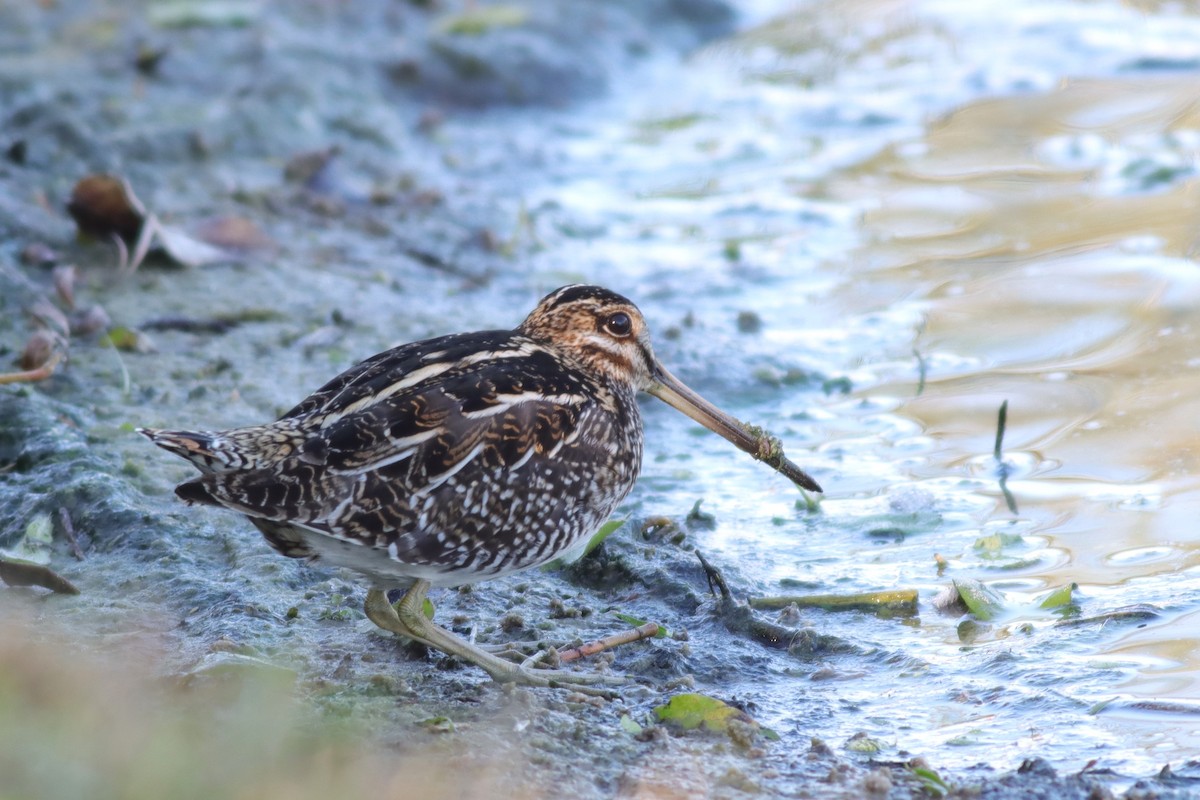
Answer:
(407, 618)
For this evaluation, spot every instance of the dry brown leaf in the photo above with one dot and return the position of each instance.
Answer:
(104, 206)
(234, 233)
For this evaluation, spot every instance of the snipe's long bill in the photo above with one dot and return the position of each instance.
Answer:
(459, 459)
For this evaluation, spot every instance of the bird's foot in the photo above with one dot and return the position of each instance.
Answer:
(583, 682)
(407, 618)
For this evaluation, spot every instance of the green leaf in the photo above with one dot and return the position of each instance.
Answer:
(1061, 597)
(481, 19)
(123, 338)
(427, 608)
(603, 533)
(599, 536)
(637, 622)
(993, 544)
(438, 724)
(700, 519)
(629, 725)
(34, 546)
(204, 13)
(930, 781)
(985, 603)
(861, 743)
(690, 711)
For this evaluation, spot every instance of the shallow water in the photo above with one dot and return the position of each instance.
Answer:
(951, 207)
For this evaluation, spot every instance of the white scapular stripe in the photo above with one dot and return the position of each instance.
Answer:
(451, 472)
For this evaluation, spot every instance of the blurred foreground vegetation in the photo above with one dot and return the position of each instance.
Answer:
(79, 725)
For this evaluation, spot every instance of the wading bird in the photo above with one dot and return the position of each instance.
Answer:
(459, 459)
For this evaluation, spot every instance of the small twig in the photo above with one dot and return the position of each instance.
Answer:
(122, 254)
(901, 601)
(145, 239)
(647, 631)
(20, 573)
(922, 368)
(1001, 424)
(714, 578)
(533, 659)
(64, 516)
(126, 384)
(33, 375)
(998, 453)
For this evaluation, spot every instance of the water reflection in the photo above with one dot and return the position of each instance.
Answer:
(930, 200)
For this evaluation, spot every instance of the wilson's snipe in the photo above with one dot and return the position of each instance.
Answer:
(458, 459)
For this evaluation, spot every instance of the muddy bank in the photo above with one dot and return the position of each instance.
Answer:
(324, 127)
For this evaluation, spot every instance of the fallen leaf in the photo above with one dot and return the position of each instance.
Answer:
(90, 320)
(21, 573)
(39, 350)
(48, 316)
(34, 546)
(128, 339)
(982, 601)
(690, 711)
(104, 205)
(234, 233)
(309, 168)
(1061, 597)
(185, 249)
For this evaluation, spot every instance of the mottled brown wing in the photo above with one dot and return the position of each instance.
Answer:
(370, 377)
(411, 467)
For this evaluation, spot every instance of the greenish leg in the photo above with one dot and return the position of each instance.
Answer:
(407, 618)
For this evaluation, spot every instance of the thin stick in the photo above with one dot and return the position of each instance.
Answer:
(647, 631)
(922, 369)
(32, 375)
(998, 453)
(1001, 424)
(715, 578)
(533, 659)
(64, 516)
(20, 573)
(896, 600)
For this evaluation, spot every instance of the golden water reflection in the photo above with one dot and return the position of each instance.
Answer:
(1070, 291)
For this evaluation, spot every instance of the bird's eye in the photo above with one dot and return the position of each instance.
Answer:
(619, 324)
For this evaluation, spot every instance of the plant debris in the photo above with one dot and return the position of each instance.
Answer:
(647, 630)
(20, 573)
(27, 563)
(894, 602)
(691, 711)
(106, 208)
